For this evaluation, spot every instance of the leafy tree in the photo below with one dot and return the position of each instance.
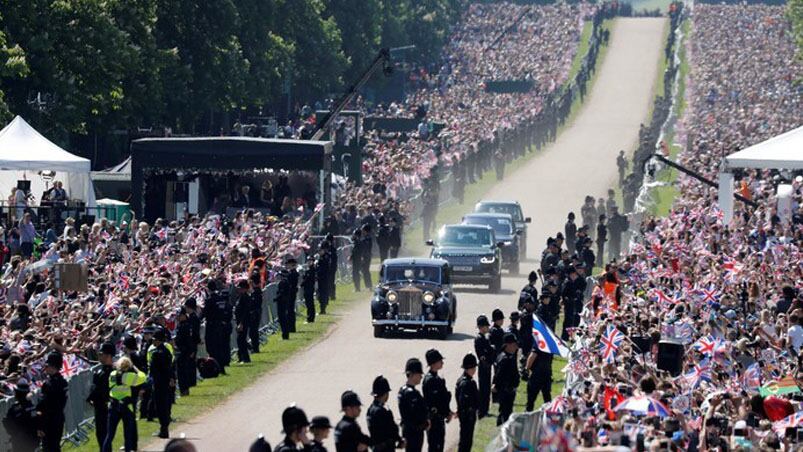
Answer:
(795, 12)
(12, 65)
(360, 24)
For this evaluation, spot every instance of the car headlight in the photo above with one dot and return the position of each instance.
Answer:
(429, 297)
(392, 296)
(488, 259)
(508, 242)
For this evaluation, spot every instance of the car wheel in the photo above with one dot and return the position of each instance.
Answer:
(443, 332)
(379, 330)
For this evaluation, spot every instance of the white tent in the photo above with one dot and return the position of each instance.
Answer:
(784, 151)
(24, 153)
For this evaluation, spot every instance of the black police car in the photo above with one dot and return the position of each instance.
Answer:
(505, 231)
(416, 294)
(514, 209)
(474, 255)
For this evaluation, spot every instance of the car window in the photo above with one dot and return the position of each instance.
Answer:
(511, 209)
(501, 226)
(465, 237)
(412, 272)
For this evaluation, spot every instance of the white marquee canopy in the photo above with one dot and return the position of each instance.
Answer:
(24, 153)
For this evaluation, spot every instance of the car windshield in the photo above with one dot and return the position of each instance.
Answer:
(501, 226)
(511, 209)
(464, 237)
(412, 272)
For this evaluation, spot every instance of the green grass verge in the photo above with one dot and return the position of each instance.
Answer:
(651, 5)
(211, 392)
(582, 49)
(664, 196)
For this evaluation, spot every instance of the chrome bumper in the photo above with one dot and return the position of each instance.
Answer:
(421, 323)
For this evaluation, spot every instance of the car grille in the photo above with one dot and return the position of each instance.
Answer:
(409, 300)
(463, 260)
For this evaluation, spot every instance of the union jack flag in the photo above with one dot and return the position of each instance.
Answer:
(609, 343)
(701, 372)
(557, 405)
(709, 296)
(161, 234)
(731, 268)
(71, 365)
(706, 345)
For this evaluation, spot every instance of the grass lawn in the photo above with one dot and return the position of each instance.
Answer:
(651, 5)
(211, 392)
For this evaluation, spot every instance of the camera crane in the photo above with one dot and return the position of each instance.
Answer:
(381, 61)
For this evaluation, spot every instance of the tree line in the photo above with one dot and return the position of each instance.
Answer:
(95, 66)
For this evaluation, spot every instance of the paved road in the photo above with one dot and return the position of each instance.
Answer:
(581, 162)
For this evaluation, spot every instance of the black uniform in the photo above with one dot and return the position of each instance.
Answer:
(395, 238)
(99, 399)
(540, 378)
(254, 317)
(414, 417)
(140, 359)
(325, 274)
(383, 241)
(382, 427)
(365, 260)
(308, 289)
(525, 332)
(572, 294)
(437, 398)
(288, 445)
(496, 337)
(195, 326)
(218, 314)
(506, 380)
(468, 403)
(161, 373)
(570, 231)
(51, 406)
(185, 356)
(356, 259)
(486, 355)
(284, 301)
(242, 317)
(291, 308)
(349, 435)
(20, 424)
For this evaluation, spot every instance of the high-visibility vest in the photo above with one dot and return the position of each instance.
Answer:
(120, 383)
(152, 349)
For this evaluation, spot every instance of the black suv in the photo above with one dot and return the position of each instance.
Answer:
(414, 293)
(514, 209)
(505, 231)
(474, 255)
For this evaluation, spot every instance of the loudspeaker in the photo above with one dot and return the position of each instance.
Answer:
(24, 185)
(642, 344)
(670, 356)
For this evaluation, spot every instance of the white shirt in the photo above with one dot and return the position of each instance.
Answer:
(795, 334)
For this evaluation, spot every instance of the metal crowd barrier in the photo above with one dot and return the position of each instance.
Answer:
(522, 431)
(79, 414)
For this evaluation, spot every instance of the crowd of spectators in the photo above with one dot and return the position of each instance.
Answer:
(731, 294)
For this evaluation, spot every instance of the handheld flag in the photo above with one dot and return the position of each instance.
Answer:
(609, 343)
(545, 339)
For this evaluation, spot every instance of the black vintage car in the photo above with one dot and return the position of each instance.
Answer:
(414, 294)
(473, 253)
(514, 209)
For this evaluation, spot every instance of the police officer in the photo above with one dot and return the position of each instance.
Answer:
(572, 294)
(260, 445)
(242, 318)
(487, 358)
(356, 258)
(348, 434)
(320, 428)
(308, 284)
(185, 352)
(140, 361)
(468, 402)
(570, 230)
(163, 379)
(50, 409)
(525, 330)
(395, 237)
(255, 316)
(413, 407)
(292, 270)
(325, 274)
(539, 365)
(381, 425)
(99, 394)
(365, 261)
(383, 238)
(20, 420)
(294, 424)
(122, 381)
(529, 290)
(497, 333)
(549, 308)
(146, 409)
(191, 307)
(438, 399)
(285, 298)
(513, 327)
(217, 313)
(506, 378)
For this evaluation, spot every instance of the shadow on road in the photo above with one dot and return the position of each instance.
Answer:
(484, 291)
(454, 337)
